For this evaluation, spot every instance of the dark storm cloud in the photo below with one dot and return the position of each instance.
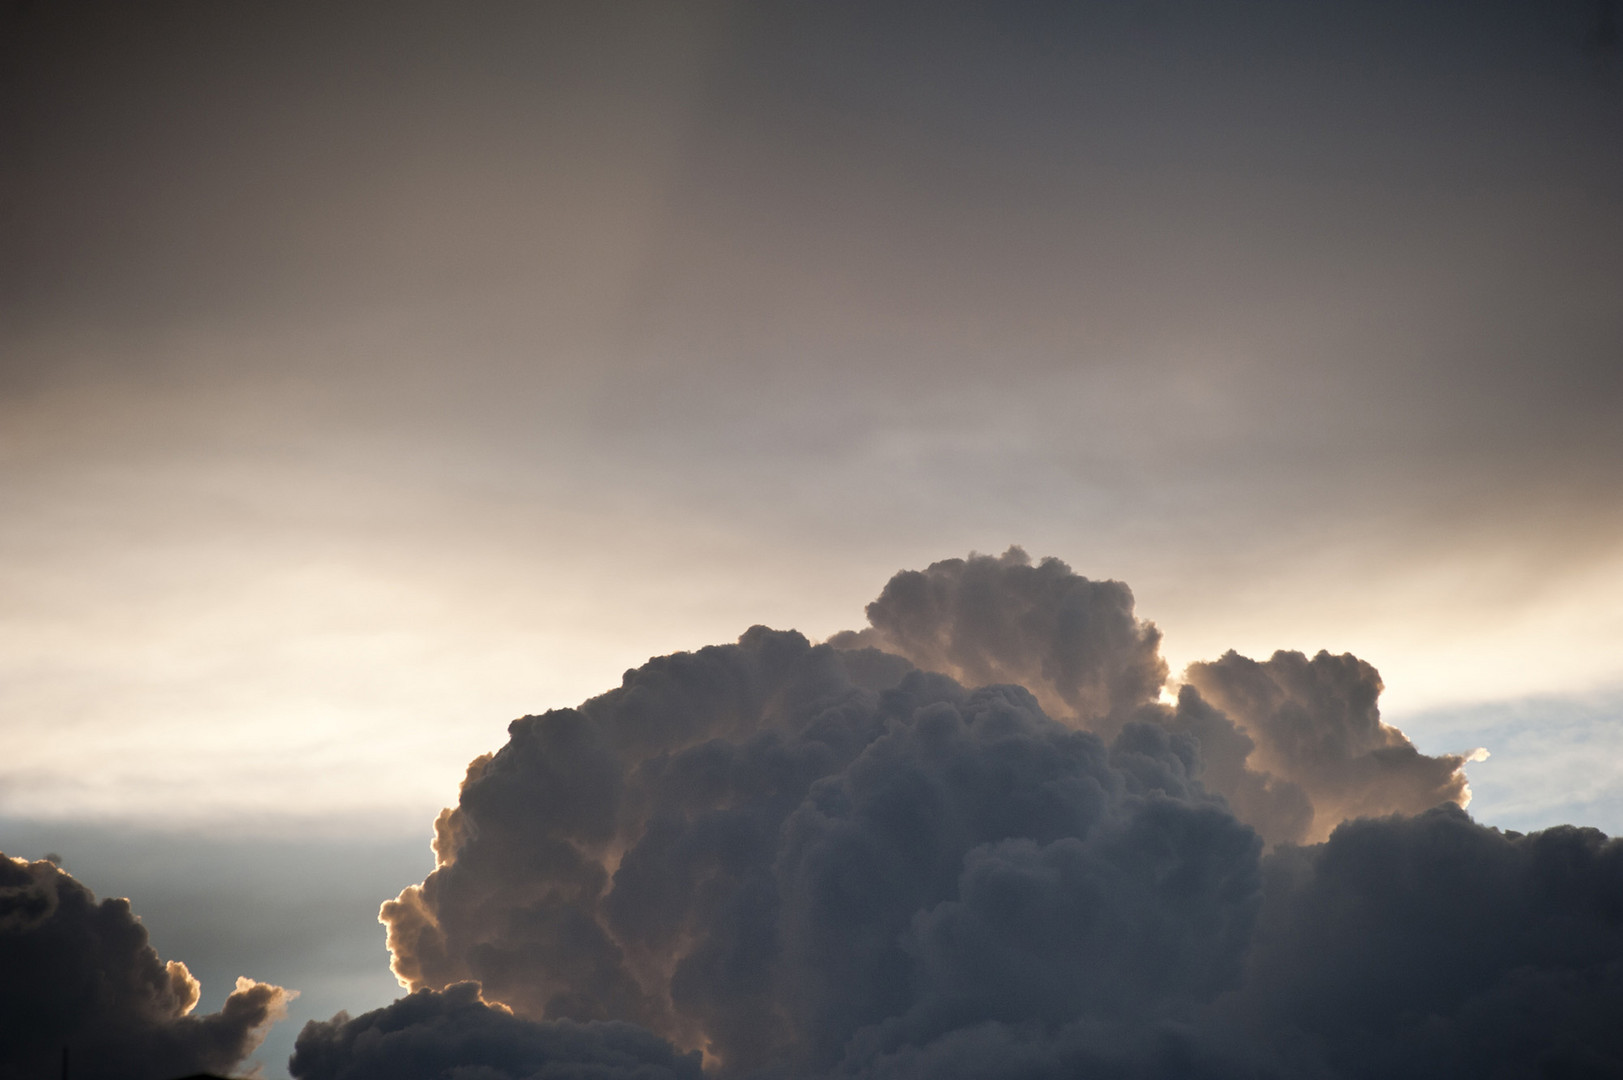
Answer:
(747, 849)
(429, 1035)
(79, 974)
(1403, 947)
(817, 860)
(1433, 947)
(779, 859)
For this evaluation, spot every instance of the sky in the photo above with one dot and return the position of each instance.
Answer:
(373, 375)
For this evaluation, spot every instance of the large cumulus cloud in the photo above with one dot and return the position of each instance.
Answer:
(803, 860)
(79, 973)
(792, 856)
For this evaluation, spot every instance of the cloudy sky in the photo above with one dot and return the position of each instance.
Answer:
(371, 376)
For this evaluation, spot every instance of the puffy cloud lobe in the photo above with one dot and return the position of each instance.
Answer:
(1277, 808)
(768, 850)
(1072, 642)
(429, 1035)
(1094, 942)
(982, 864)
(691, 748)
(1294, 745)
(79, 973)
(1315, 724)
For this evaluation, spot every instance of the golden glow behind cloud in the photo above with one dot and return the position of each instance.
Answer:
(365, 384)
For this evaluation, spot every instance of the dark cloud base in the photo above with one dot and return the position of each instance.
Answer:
(428, 1035)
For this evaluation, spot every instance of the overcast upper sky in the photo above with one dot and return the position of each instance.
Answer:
(372, 375)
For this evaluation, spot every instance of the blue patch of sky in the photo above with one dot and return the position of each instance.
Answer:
(1555, 760)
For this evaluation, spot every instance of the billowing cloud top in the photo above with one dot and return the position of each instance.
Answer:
(1314, 724)
(79, 974)
(1074, 643)
(836, 860)
(1295, 745)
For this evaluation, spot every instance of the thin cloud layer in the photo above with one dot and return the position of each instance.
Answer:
(79, 974)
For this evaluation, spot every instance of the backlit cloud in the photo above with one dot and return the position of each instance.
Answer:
(77, 975)
(818, 860)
